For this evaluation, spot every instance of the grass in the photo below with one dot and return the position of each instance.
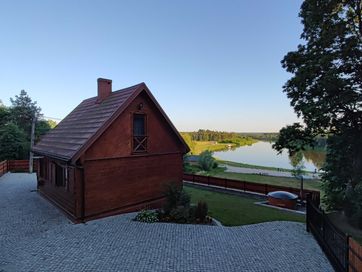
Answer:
(244, 165)
(199, 146)
(232, 210)
(310, 184)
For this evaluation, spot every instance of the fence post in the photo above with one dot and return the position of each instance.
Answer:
(208, 180)
(323, 226)
(347, 252)
(307, 212)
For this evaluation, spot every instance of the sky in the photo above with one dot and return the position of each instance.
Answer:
(210, 64)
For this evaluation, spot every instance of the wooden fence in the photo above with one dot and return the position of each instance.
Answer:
(355, 256)
(261, 188)
(3, 167)
(17, 166)
(344, 253)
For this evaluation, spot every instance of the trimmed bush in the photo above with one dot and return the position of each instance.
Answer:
(146, 216)
(201, 212)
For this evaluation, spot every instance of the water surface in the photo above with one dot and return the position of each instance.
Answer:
(262, 153)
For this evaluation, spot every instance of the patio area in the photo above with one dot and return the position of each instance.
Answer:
(36, 236)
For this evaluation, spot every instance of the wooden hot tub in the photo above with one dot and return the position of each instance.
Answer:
(283, 199)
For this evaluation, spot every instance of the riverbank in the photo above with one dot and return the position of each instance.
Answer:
(267, 172)
(220, 172)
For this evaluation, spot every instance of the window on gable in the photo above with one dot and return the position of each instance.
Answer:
(139, 133)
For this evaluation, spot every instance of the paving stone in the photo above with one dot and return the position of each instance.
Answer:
(36, 236)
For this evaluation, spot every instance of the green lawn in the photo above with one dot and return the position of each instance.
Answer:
(311, 184)
(199, 146)
(232, 210)
(244, 165)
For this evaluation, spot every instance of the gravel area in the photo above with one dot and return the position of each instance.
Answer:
(35, 236)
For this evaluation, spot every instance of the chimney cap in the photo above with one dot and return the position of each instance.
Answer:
(104, 79)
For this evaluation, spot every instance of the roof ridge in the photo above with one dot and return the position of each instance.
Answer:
(117, 91)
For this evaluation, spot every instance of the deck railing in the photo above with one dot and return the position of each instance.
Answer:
(17, 166)
(344, 253)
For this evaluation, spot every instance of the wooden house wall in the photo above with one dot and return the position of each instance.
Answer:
(115, 177)
(63, 197)
(116, 141)
(116, 183)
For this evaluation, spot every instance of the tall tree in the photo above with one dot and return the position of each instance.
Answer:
(326, 92)
(23, 110)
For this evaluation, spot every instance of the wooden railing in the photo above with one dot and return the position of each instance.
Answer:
(17, 166)
(261, 188)
(3, 167)
(344, 253)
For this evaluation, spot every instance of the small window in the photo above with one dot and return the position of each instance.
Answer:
(59, 176)
(139, 133)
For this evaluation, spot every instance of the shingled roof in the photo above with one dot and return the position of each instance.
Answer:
(87, 121)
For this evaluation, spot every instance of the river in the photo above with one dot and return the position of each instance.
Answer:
(262, 153)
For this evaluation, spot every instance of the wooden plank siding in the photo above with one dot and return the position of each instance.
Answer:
(62, 196)
(116, 183)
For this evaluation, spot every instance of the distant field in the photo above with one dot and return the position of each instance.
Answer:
(199, 146)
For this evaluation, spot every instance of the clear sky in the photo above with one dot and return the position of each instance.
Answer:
(210, 64)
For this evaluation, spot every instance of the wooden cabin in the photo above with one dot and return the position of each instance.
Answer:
(112, 154)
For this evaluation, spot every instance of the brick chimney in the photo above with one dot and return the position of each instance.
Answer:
(104, 89)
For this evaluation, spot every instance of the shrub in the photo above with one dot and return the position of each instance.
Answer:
(180, 214)
(201, 212)
(206, 161)
(175, 197)
(146, 216)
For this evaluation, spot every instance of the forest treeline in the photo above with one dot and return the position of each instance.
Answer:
(219, 136)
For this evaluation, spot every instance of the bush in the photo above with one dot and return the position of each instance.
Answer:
(180, 214)
(201, 212)
(146, 216)
(206, 161)
(175, 197)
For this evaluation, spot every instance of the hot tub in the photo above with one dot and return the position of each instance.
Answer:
(283, 199)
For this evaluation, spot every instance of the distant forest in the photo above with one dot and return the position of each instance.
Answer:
(261, 136)
(218, 136)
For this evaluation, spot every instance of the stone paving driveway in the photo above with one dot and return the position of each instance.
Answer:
(35, 236)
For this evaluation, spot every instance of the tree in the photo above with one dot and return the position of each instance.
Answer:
(296, 160)
(4, 115)
(41, 128)
(326, 92)
(206, 161)
(23, 110)
(13, 144)
(15, 126)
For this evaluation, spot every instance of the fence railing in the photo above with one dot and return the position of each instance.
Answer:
(3, 167)
(261, 188)
(17, 166)
(344, 253)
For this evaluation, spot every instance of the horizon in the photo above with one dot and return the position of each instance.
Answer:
(211, 66)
